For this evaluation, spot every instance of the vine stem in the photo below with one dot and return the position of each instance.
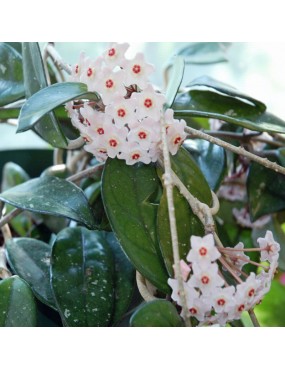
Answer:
(237, 150)
(85, 173)
(142, 287)
(4, 271)
(168, 183)
(56, 58)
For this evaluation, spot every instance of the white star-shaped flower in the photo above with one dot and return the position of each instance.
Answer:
(270, 246)
(150, 103)
(115, 55)
(138, 71)
(132, 153)
(122, 110)
(205, 277)
(203, 250)
(111, 83)
(145, 132)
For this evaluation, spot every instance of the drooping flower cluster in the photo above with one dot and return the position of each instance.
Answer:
(211, 298)
(125, 123)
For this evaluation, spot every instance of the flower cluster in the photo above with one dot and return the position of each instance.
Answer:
(211, 298)
(125, 123)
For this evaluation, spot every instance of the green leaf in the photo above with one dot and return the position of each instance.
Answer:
(30, 259)
(187, 223)
(211, 104)
(17, 305)
(222, 88)
(189, 173)
(157, 313)
(34, 77)
(12, 175)
(51, 195)
(124, 279)
(11, 75)
(204, 52)
(127, 192)
(266, 191)
(49, 98)
(175, 81)
(211, 160)
(82, 277)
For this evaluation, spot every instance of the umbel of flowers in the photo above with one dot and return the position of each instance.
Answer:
(210, 295)
(125, 123)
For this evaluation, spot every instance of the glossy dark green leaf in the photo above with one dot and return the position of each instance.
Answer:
(189, 173)
(222, 88)
(30, 259)
(34, 77)
(175, 80)
(82, 270)
(15, 45)
(12, 175)
(187, 223)
(211, 160)
(157, 313)
(204, 52)
(49, 98)
(124, 279)
(17, 304)
(266, 191)
(11, 75)
(51, 195)
(47, 317)
(57, 170)
(210, 104)
(127, 195)
(93, 191)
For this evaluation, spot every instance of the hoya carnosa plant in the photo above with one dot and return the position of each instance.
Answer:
(141, 179)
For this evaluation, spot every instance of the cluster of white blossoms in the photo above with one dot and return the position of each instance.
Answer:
(125, 123)
(210, 295)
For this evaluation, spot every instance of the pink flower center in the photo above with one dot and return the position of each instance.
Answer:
(221, 302)
(100, 131)
(136, 68)
(109, 84)
(193, 311)
(113, 143)
(135, 156)
(177, 140)
(89, 72)
(205, 280)
(148, 103)
(203, 251)
(251, 292)
(111, 52)
(241, 308)
(121, 112)
(142, 135)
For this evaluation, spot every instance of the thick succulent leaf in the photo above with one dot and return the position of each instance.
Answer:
(225, 89)
(51, 195)
(157, 313)
(124, 279)
(128, 193)
(211, 160)
(266, 191)
(34, 78)
(82, 269)
(11, 75)
(12, 175)
(30, 259)
(210, 104)
(204, 52)
(47, 99)
(175, 81)
(17, 304)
